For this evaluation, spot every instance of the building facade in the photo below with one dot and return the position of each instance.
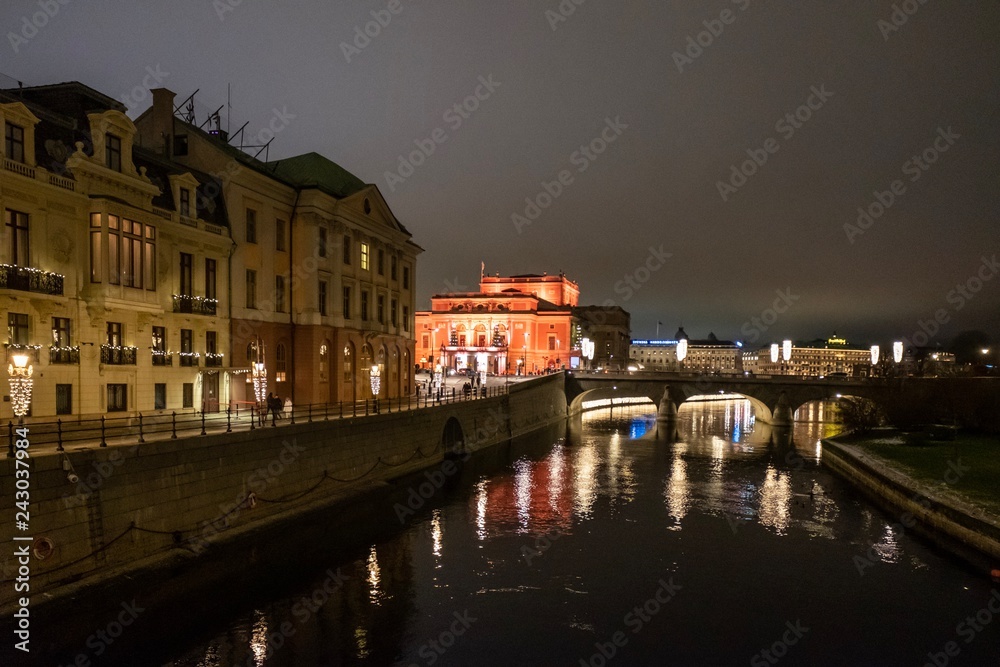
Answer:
(323, 274)
(512, 325)
(609, 328)
(709, 355)
(144, 266)
(813, 359)
(111, 278)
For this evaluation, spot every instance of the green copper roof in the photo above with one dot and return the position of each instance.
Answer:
(314, 170)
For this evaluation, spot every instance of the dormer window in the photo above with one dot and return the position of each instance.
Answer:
(13, 137)
(112, 152)
(185, 202)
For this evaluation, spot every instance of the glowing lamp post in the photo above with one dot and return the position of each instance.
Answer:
(786, 353)
(375, 378)
(875, 352)
(587, 347)
(682, 352)
(774, 353)
(20, 385)
(897, 351)
(259, 374)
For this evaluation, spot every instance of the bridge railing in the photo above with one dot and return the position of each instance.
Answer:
(142, 427)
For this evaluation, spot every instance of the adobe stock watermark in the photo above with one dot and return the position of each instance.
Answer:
(103, 637)
(756, 326)
(633, 282)
(968, 629)
(543, 542)
(779, 649)
(257, 481)
(914, 168)
(582, 158)
(714, 28)
(31, 25)
(786, 126)
(432, 650)
(562, 12)
(153, 78)
(363, 35)
(901, 13)
(303, 609)
(957, 297)
(454, 117)
(635, 620)
(435, 479)
(952, 476)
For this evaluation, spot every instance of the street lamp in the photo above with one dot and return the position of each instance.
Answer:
(875, 352)
(786, 353)
(20, 385)
(375, 378)
(897, 351)
(682, 353)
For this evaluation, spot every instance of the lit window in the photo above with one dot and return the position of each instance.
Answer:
(364, 256)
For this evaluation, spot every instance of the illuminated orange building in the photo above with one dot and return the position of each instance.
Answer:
(517, 324)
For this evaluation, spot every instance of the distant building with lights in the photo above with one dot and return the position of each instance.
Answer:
(813, 359)
(709, 355)
(521, 324)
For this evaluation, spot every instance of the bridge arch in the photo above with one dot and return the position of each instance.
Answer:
(452, 437)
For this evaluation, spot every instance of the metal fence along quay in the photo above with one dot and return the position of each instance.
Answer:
(160, 425)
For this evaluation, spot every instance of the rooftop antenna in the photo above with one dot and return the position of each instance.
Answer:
(187, 104)
(212, 116)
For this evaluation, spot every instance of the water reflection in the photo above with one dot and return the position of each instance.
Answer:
(775, 498)
(618, 482)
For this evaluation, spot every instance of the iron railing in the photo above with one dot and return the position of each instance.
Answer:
(64, 355)
(117, 356)
(26, 279)
(196, 305)
(237, 416)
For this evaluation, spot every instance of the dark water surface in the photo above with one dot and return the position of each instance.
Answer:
(607, 546)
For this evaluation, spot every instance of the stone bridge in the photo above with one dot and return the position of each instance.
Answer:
(973, 402)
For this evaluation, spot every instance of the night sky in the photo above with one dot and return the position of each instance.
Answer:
(644, 126)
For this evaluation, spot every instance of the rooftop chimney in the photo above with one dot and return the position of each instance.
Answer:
(163, 120)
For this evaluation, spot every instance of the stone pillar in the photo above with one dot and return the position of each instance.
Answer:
(781, 415)
(667, 411)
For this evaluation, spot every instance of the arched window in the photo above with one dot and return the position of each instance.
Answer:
(348, 367)
(280, 372)
(324, 361)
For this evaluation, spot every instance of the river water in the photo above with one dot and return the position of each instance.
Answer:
(725, 544)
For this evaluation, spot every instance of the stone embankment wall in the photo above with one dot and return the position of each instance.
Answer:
(958, 527)
(136, 504)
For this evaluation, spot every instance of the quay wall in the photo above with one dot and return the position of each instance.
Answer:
(144, 503)
(956, 527)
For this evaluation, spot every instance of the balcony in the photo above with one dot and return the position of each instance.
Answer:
(27, 279)
(116, 355)
(188, 358)
(64, 355)
(213, 360)
(197, 305)
(19, 348)
(162, 358)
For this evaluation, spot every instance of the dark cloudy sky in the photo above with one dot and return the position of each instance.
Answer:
(657, 184)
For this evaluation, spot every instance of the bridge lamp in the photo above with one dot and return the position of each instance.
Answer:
(774, 353)
(20, 385)
(897, 351)
(786, 350)
(874, 354)
(682, 349)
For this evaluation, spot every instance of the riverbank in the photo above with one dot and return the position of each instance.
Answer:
(936, 491)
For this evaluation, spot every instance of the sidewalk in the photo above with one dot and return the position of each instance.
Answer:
(46, 435)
